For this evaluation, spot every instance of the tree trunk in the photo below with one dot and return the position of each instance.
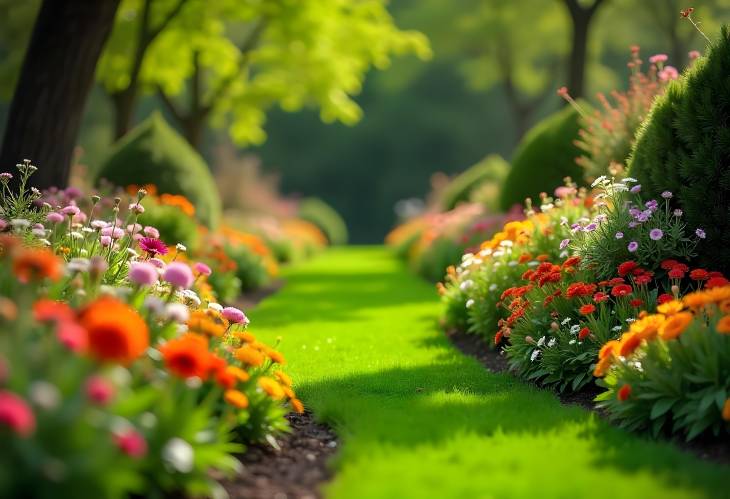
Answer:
(581, 19)
(124, 104)
(55, 80)
(193, 127)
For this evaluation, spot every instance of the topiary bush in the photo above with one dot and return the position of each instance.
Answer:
(491, 170)
(684, 147)
(319, 213)
(544, 158)
(154, 153)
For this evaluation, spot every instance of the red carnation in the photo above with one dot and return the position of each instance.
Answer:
(600, 297)
(621, 290)
(627, 267)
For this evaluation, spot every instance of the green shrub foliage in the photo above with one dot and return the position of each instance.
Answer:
(154, 153)
(316, 211)
(684, 147)
(491, 170)
(544, 158)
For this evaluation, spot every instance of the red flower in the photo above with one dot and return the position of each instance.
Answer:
(45, 310)
(636, 303)
(676, 273)
(600, 297)
(664, 298)
(528, 274)
(616, 281)
(587, 309)
(131, 443)
(16, 414)
(621, 290)
(548, 300)
(715, 282)
(668, 264)
(99, 390)
(643, 279)
(583, 333)
(699, 275)
(627, 267)
(572, 261)
(498, 337)
(72, 336)
(624, 392)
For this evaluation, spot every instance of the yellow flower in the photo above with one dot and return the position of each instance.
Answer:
(283, 378)
(670, 307)
(675, 325)
(648, 326)
(271, 387)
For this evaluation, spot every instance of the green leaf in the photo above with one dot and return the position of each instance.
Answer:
(661, 407)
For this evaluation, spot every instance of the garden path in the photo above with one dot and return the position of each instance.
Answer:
(418, 419)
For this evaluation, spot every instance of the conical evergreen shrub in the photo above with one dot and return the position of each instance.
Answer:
(684, 147)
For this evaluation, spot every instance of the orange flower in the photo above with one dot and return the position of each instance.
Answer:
(37, 264)
(726, 410)
(249, 356)
(271, 387)
(45, 310)
(229, 376)
(675, 325)
(116, 332)
(624, 393)
(648, 326)
(236, 399)
(245, 336)
(207, 322)
(629, 343)
(670, 307)
(297, 405)
(587, 309)
(288, 392)
(283, 378)
(275, 356)
(187, 356)
(609, 349)
(725, 306)
(723, 325)
(602, 366)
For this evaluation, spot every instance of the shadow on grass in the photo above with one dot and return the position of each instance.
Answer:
(413, 406)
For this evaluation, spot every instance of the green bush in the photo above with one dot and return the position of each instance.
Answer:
(544, 158)
(250, 269)
(490, 170)
(174, 225)
(684, 147)
(325, 217)
(154, 153)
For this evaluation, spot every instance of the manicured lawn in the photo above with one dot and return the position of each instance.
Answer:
(418, 419)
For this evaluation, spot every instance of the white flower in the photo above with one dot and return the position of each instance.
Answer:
(466, 285)
(178, 455)
(616, 328)
(87, 230)
(533, 263)
(512, 263)
(180, 247)
(45, 395)
(506, 243)
(571, 342)
(565, 321)
(599, 180)
(534, 355)
(469, 302)
(132, 253)
(493, 287)
(192, 296)
(40, 233)
(78, 265)
(216, 306)
(629, 179)
(630, 320)
(467, 256)
(177, 312)
(541, 342)
(20, 223)
(45, 242)
(76, 235)
(552, 342)
(574, 328)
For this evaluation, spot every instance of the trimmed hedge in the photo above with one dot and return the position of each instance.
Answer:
(684, 147)
(544, 158)
(154, 153)
(319, 213)
(491, 170)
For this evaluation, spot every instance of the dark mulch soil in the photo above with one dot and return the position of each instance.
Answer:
(252, 298)
(295, 471)
(708, 448)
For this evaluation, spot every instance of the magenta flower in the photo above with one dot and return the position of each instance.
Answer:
(131, 443)
(179, 275)
(235, 316)
(99, 390)
(157, 263)
(16, 414)
(633, 246)
(106, 241)
(694, 54)
(143, 273)
(656, 234)
(152, 246)
(668, 73)
(202, 268)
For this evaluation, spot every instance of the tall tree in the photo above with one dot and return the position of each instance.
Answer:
(581, 15)
(54, 82)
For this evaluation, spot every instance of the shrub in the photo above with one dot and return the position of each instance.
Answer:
(671, 371)
(684, 147)
(482, 179)
(153, 153)
(316, 211)
(543, 159)
(174, 226)
(250, 268)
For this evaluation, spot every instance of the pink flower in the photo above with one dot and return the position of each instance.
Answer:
(152, 246)
(136, 208)
(106, 241)
(202, 268)
(668, 73)
(113, 232)
(54, 217)
(694, 54)
(70, 210)
(16, 414)
(134, 228)
(658, 58)
(150, 231)
(179, 275)
(72, 336)
(157, 263)
(235, 315)
(143, 273)
(131, 443)
(99, 390)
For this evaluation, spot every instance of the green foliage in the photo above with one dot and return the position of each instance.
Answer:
(684, 147)
(174, 225)
(250, 269)
(154, 153)
(543, 159)
(489, 172)
(322, 215)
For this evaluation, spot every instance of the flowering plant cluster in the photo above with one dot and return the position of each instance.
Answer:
(671, 370)
(119, 371)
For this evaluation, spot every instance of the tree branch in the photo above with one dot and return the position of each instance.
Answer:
(166, 21)
(169, 104)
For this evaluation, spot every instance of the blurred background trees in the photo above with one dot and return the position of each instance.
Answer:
(227, 71)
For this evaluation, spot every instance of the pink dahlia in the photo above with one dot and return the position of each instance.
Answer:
(152, 246)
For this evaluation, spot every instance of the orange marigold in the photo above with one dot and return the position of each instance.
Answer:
(187, 356)
(723, 325)
(283, 378)
(670, 307)
(271, 387)
(629, 343)
(675, 325)
(116, 332)
(249, 356)
(609, 349)
(602, 366)
(276, 356)
(32, 264)
(236, 398)
(207, 322)
(297, 405)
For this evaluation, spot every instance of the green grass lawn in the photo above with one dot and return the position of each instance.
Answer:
(418, 419)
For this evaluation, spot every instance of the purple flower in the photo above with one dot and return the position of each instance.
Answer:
(152, 246)
(235, 316)
(656, 234)
(633, 246)
(700, 233)
(143, 273)
(652, 205)
(202, 268)
(72, 192)
(644, 216)
(54, 217)
(590, 227)
(157, 263)
(134, 228)
(636, 189)
(632, 225)
(619, 235)
(634, 212)
(678, 212)
(179, 275)
(667, 195)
